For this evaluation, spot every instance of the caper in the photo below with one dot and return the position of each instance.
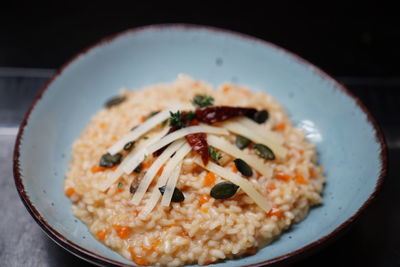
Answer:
(243, 167)
(223, 190)
(242, 142)
(108, 160)
(177, 196)
(128, 146)
(264, 151)
(115, 101)
(260, 116)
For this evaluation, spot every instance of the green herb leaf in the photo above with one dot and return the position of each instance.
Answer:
(120, 185)
(201, 101)
(224, 190)
(214, 154)
(145, 137)
(177, 196)
(190, 115)
(176, 120)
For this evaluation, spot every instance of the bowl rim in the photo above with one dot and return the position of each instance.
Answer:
(101, 260)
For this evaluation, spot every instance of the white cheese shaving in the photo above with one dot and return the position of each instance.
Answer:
(170, 187)
(152, 171)
(139, 155)
(232, 150)
(245, 185)
(251, 134)
(162, 180)
(274, 137)
(183, 132)
(141, 129)
(131, 160)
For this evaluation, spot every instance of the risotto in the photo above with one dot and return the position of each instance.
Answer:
(185, 173)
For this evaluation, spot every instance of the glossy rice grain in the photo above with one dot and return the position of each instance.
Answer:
(201, 229)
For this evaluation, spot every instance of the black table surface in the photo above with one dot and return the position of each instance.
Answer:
(374, 239)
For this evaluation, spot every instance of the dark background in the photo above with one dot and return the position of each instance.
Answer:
(356, 42)
(344, 38)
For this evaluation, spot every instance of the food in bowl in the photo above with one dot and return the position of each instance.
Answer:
(185, 173)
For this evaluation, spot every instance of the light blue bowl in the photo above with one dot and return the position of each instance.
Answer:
(350, 146)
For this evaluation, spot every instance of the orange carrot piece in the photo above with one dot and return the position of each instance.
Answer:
(97, 168)
(275, 212)
(300, 179)
(207, 262)
(204, 199)
(146, 164)
(204, 210)
(160, 170)
(102, 234)
(139, 260)
(143, 118)
(271, 187)
(70, 191)
(234, 169)
(311, 171)
(103, 125)
(209, 179)
(122, 231)
(282, 176)
(281, 126)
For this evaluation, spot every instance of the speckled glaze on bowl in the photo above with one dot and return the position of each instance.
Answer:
(350, 145)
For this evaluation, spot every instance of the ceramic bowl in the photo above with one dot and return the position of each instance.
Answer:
(350, 145)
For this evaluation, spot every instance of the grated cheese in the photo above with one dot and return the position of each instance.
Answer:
(171, 184)
(129, 163)
(245, 185)
(232, 150)
(152, 171)
(251, 134)
(163, 179)
(141, 129)
(273, 136)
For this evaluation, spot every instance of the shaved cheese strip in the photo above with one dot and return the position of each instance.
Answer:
(168, 139)
(152, 171)
(137, 157)
(131, 160)
(274, 137)
(238, 128)
(245, 185)
(232, 150)
(183, 132)
(141, 129)
(162, 180)
(170, 187)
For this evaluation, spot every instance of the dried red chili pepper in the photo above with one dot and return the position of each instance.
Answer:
(198, 142)
(221, 113)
